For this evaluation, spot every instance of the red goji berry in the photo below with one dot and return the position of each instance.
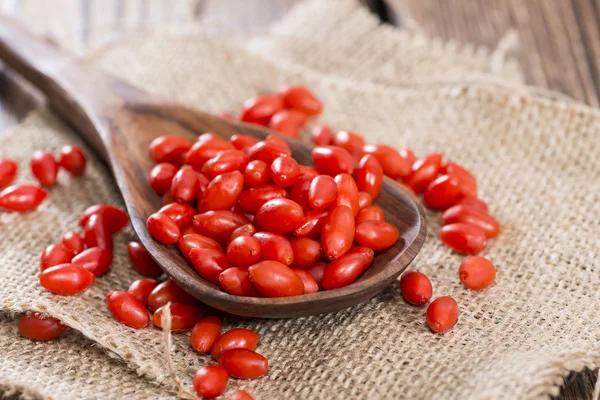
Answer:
(209, 263)
(279, 215)
(170, 149)
(22, 198)
(142, 261)
(252, 199)
(395, 164)
(257, 173)
(322, 135)
(442, 192)
(97, 233)
(163, 229)
(284, 171)
(275, 247)
(227, 161)
(95, 260)
(44, 167)
(242, 142)
(127, 309)
(36, 327)
(168, 291)
(205, 333)
(72, 159)
(116, 218)
(8, 171)
(306, 252)
(275, 279)
(350, 141)
(244, 363)
(236, 281)
(377, 235)
(66, 279)
(183, 316)
(369, 176)
(464, 238)
(288, 122)
(222, 192)
(416, 288)
(55, 254)
(219, 224)
(472, 216)
(211, 381)
(424, 171)
(260, 109)
(442, 314)
(346, 269)
(310, 285)
(73, 241)
(337, 234)
(142, 288)
(322, 192)
(161, 177)
(311, 224)
(236, 338)
(371, 213)
(331, 160)
(300, 98)
(476, 272)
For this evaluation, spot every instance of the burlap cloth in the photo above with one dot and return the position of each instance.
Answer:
(536, 161)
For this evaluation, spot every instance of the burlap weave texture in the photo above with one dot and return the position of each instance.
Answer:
(537, 164)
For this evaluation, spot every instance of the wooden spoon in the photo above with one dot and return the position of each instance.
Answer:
(119, 121)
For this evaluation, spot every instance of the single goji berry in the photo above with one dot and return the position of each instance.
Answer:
(350, 141)
(473, 202)
(161, 177)
(55, 254)
(476, 272)
(252, 199)
(371, 213)
(183, 316)
(95, 260)
(36, 327)
(243, 251)
(300, 98)
(301, 190)
(66, 279)
(442, 192)
(275, 247)
(208, 146)
(236, 281)
(97, 233)
(347, 193)
(275, 279)
(322, 192)
(8, 171)
(227, 161)
(142, 261)
(279, 215)
(311, 224)
(236, 338)
(73, 241)
(416, 288)
(210, 381)
(116, 218)
(306, 252)
(288, 122)
(244, 230)
(464, 238)
(442, 314)
(127, 309)
(268, 151)
(72, 159)
(337, 234)
(44, 167)
(377, 235)
(395, 164)
(242, 142)
(142, 288)
(317, 271)
(424, 171)
(222, 192)
(466, 181)
(219, 224)
(257, 173)
(205, 333)
(163, 228)
(196, 241)
(284, 171)
(22, 198)
(369, 175)
(260, 109)
(310, 285)
(346, 269)
(170, 149)
(331, 160)
(473, 216)
(240, 394)
(322, 135)
(182, 214)
(209, 263)
(244, 363)
(168, 291)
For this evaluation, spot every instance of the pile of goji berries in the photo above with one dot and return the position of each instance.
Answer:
(254, 221)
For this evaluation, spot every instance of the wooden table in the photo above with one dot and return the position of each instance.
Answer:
(560, 44)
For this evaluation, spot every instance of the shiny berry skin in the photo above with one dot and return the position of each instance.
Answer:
(275, 247)
(116, 218)
(210, 381)
(416, 288)
(183, 316)
(300, 98)
(142, 288)
(464, 238)
(306, 252)
(163, 229)
(268, 151)
(310, 285)
(279, 215)
(209, 263)
(182, 214)
(424, 171)
(219, 224)
(240, 394)
(236, 281)
(55, 254)
(371, 213)
(369, 175)
(208, 146)
(21, 198)
(476, 272)
(66, 279)
(442, 314)
(227, 161)
(347, 192)
(346, 269)
(243, 251)
(260, 109)
(205, 333)
(170, 149)
(244, 230)
(350, 141)
(196, 241)
(73, 241)
(284, 171)
(306, 170)
(244, 363)
(168, 291)
(466, 181)
(275, 279)
(472, 216)
(97, 233)
(337, 234)
(184, 186)
(44, 167)
(300, 191)
(72, 159)
(322, 192)
(8, 171)
(394, 163)
(322, 135)
(311, 224)
(36, 327)
(377, 235)
(222, 192)
(442, 192)
(95, 260)
(473, 202)
(142, 261)
(257, 173)
(127, 309)
(364, 200)
(278, 141)
(241, 142)
(161, 177)
(236, 338)
(331, 160)
(288, 122)
(252, 199)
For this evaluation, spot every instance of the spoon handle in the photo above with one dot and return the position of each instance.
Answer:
(79, 93)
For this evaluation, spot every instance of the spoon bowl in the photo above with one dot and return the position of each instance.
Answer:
(119, 121)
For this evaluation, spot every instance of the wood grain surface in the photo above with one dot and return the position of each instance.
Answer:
(560, 44)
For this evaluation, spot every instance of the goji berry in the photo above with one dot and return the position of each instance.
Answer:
(8, 171)
(219, 224)
(72, 159)
(244, 363)
(22, 198)
(322, 192)
(275, 279)
(416, 288)
(257, 173)
(161, 177)
(331, 160)
(36, 327)
(442, 314)
(73, 241)
(236, 281)
(44, 167)
(322, 135)
(211, 381)
(464, 238)
(377, 235)
(476, 272)
(209, 263)
(205, 333)
(300, 98)
(236, 338)
(183, 316)
(337, 234)
(142, 288)
(346, 269)
(97, 233)
(95, 260)
(168, 291)
(55, 254)
(473, 216)
(127, 309)
(66, 279)
(170, 149)
(163, 229)
(288, 122)
(275, 247)
(142, 261)
(116, 218)
(260, 109)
